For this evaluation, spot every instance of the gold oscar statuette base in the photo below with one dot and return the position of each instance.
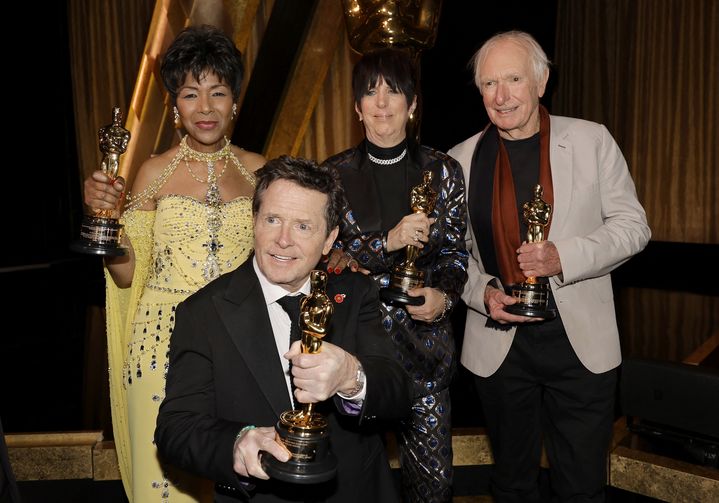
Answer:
(403, 280)
(533, 298)
(100, 236)
(307, 438)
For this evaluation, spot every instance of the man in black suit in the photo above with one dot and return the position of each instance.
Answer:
(229, 364)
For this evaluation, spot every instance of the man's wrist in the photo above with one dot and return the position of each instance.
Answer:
(358, 385)
(243, 431)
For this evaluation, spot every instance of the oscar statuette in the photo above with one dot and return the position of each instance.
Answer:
(304, 432)
(100, 233)
(533, 293)
(406, 276)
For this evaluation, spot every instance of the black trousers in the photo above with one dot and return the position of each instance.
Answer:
(543, 394)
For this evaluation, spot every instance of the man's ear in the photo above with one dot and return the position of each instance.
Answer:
(331, 238)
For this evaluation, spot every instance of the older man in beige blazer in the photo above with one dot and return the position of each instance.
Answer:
(550, 382)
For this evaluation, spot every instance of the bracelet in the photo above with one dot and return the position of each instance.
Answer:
(384, 242)
(244, 430)
(445, 311)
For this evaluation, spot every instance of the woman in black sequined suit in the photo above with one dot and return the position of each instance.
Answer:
(378, 224)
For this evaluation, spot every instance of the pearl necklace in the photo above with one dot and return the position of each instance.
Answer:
(209, 157)
(210, 172)
(387, 162)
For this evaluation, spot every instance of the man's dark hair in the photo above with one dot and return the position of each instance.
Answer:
(201, 49)
(394, 65)
(307, 174)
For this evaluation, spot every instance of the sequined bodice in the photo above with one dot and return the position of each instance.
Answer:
(194, 243)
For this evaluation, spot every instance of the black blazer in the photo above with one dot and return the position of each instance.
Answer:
(225, 373)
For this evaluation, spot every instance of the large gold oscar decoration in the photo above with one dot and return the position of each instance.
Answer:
(101, 233)
(373, 24)
(533, 293)
(305, 432)
(406, 276)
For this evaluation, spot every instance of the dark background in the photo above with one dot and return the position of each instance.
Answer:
(46, 288)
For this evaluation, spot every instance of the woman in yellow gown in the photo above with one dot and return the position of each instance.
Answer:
(187, 220)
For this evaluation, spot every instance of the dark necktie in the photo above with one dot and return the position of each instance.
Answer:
(291, 305)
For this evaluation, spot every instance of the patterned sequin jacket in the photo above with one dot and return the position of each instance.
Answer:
(444, 257)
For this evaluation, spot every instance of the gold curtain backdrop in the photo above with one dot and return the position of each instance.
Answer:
(665, 325)
(106, 43)
(334, 125)
(648, 70)
(106, 40)
(249, 19)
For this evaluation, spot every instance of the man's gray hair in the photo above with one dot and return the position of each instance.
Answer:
(537, 56)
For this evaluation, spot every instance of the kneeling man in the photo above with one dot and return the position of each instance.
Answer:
(229, 358)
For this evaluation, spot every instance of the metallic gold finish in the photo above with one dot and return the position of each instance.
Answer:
(101, 233)
(304, 432)
(373, 24)
(406, 276)
(533, 293)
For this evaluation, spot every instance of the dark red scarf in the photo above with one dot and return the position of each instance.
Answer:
(505, 220)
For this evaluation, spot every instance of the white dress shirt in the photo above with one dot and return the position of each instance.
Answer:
(281, 325)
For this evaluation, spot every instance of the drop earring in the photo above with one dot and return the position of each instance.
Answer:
(176, 114)
(411, 115)
(234, 111)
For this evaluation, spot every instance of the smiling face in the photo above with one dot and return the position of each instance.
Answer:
(205, 109)
(510, 90)
(291, 233)
(385, 114)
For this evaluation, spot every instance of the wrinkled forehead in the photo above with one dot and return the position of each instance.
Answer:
(292, 200)
(505, 56)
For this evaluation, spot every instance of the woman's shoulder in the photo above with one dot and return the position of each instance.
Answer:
(250, 160)
(432, 154)
(343, 157)
(152, 168)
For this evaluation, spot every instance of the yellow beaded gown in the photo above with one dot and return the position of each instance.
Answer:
(179, 247)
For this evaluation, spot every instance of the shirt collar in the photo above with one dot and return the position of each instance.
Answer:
(272, 292)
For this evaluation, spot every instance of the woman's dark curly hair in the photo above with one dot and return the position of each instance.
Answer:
(199, 49)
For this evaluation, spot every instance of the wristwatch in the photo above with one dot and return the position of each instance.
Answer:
(359, 382)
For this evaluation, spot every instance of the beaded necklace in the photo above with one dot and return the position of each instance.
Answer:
(211, 266)
(213, 201)
(212, 197)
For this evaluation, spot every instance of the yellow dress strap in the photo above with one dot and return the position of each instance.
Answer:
(121, 304)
